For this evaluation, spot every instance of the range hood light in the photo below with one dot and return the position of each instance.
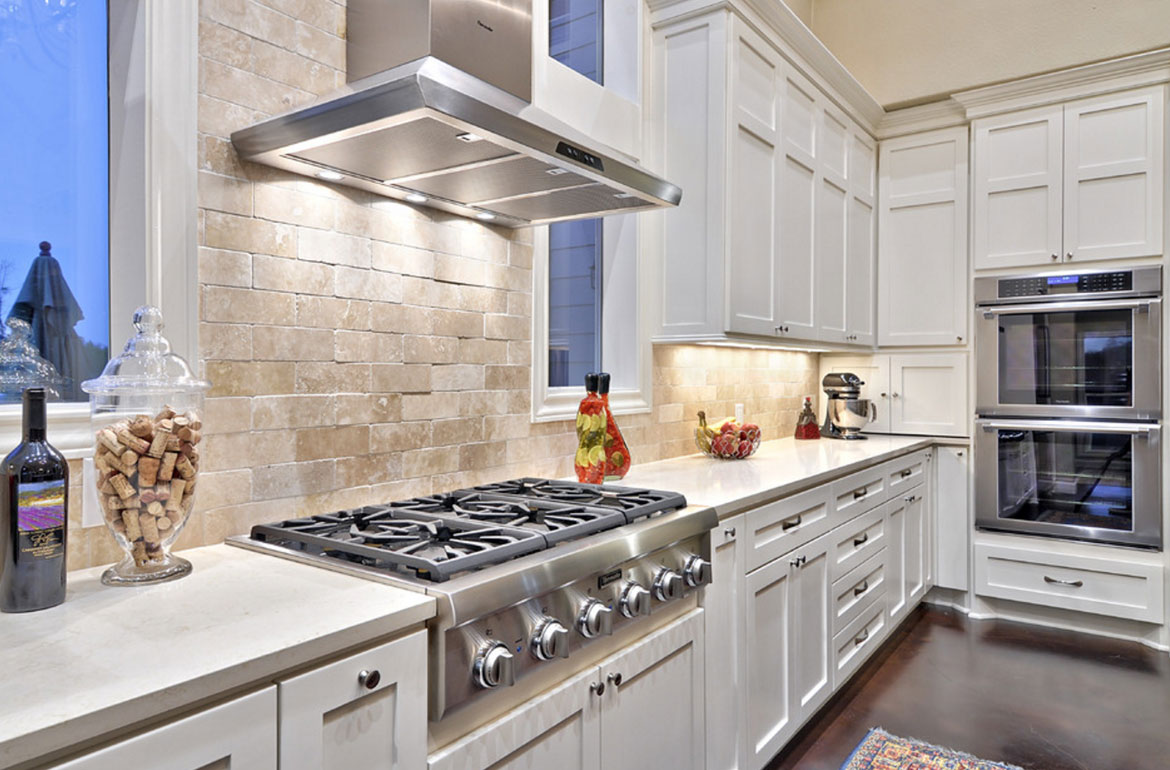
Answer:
(330, 176)
(416, 198)
(469, 137)
(556, 171)
(486, 216)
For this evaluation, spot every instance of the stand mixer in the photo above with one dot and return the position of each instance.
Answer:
(847, 413)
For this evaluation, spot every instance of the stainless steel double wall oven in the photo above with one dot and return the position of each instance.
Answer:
(1069, 396)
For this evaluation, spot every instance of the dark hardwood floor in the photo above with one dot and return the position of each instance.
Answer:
(1039, 698)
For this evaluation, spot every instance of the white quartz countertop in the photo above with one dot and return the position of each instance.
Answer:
(778, 468)
(112, 656)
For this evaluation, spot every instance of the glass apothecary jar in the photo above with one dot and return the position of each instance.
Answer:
(145, 411)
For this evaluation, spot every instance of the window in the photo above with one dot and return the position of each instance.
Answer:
(586, 313)
(99, 133)
(54, 207)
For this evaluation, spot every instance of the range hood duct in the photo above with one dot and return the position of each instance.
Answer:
(437, 112)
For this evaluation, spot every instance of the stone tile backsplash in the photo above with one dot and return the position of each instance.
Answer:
(363, 350)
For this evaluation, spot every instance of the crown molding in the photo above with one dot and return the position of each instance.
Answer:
(1134, 71)
(924, 117)
(796, 42)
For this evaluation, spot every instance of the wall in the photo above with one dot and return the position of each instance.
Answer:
(907, 51)
(363, 350)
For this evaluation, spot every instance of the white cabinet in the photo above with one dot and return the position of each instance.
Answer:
(1075, 182)
(640, 708)
(787, 630)
(725, 672)
(952, 523)
(915, 393)
(238, 734)
(922, 249)
(910, 551)
(775, 235)
(367, 710)
(652, 708)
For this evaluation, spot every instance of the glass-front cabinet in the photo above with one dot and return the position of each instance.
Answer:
(1072, 479)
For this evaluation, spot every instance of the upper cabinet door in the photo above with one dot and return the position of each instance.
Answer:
(1113, 151)
(795, 258)
(922, 239)
(928, 394)
(859, 240)
(752, 190)
(1018, 173)
(832, 225)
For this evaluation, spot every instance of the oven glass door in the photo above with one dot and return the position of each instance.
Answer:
(1075, 359)
(1093, 481)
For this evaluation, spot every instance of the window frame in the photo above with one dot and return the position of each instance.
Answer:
(625, 339)
(153, 85)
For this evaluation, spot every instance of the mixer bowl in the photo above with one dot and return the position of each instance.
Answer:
(851, 414)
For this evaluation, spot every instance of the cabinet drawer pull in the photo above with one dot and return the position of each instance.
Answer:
(790, 524)
(860, 493)
(615, 679)
(729, 532)
(861, 638)
(799, 561)
(909, 498)
(860, 541)
(861, 588)
(907, 473)
(370, 679)
(1059, 582)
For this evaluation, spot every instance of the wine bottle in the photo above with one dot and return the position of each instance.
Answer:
(34, 498)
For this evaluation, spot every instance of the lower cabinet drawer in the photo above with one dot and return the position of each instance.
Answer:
(858, 590)
(857, 541)
(778, 527)
(853, 645)
(1075, 579)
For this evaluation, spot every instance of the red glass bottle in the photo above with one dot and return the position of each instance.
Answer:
(806, 423)
(617, 453)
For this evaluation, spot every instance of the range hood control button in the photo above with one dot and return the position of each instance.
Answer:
(667, 585)
(635, 600)
(551, 640)
(697, 572)
(595, 620)
(494, 666)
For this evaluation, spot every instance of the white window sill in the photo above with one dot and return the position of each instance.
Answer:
(562, 403)
(68, 429)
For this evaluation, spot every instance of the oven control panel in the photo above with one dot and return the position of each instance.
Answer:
(1047, 285)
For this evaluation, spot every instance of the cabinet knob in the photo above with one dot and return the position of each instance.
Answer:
(1055, 257)
(1068, 255)
(370, 679)
(958, 454)
(960, 339)
(729, 532)
(885, 395)
(896, 395)
(614, 679)
(597, 687)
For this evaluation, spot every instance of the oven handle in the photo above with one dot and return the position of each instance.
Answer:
(1069, 426)
(1141, 305)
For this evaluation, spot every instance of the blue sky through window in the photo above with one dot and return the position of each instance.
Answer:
(54, 155)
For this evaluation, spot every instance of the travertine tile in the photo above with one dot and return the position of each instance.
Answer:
(507, 327)
(292, 479)
(368, 408)
(283, 343)
(224, 488)
(218, 267)
(435, 350)
(225, 193)
(405, 260)
(402, 319)
(333, 313)
(291, 69)
(431, 406)
(226, 415)
(427, 462)
(252, 19)
(333, 248)
(330, 377)
(332, 441)
(232, 305)
(224, 44)
(369, 469)
(273, 412)
(457, 377)
(249, 378)
(228, 231)
(248, 89)
(459, 430)
(400, 436)
(320, 46)
(291, 275)
(401, 378)
(284, 204)
(225, 342)
(367, 284)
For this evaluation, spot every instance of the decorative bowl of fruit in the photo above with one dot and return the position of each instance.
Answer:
(727, 439)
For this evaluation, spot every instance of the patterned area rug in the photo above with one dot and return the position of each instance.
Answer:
(882, 751)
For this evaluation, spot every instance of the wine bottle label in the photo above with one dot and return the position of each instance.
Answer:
(41, 519)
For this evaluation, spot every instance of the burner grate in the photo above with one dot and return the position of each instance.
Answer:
(432, 547)
(556, 521)
(633, 503)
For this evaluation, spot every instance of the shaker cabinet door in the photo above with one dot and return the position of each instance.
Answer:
(336, 717)
(811, 629)
(1113, 170)
(928, 394)
(768, 601)
(726, 697)
(1017, 215)
(238, 734)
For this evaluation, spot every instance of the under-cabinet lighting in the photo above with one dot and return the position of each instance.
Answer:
(755, 346)
(330, 176)
(486, 216)
(416, 198)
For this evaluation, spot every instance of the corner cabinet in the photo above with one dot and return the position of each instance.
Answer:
(1077, 182)
(775, 234)
(922, 281)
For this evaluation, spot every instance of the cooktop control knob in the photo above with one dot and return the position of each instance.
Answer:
(697, 571)
(494, 666)
(595, 620)
(635, 600)
(551, 640)
(667, 585)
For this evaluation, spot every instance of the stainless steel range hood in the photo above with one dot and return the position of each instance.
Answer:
(440, 116)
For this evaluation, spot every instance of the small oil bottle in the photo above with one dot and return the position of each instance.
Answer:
(806, 423)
